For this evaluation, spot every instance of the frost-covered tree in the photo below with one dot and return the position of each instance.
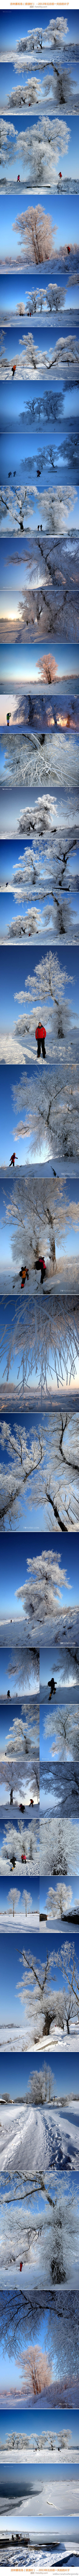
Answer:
(35, 1221)
(41, 1606)
(35, 233)
(39, 162)
(46, 765)
(21, 1734)
(46, 299)
(45, 2007)
(51, 91)
(17, 1838)
(49, 2231)
(47, 600)
(21, 1773)
(35, 49)
(43, 1337)
(53, 1093)
(47, 1573)
(43, 2342)
(59, 1850)
(66, 1724)
(39, 1472)
(33, 360)
(23, 1667)
(19, 501)
(44, 884)
(19, 1044)
(41, 1601)
(50, 979)
(58, 1901)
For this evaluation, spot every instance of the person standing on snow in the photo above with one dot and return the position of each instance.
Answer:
(40, 1264)
(40, 1034)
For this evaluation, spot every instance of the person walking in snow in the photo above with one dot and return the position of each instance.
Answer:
(23, 1274)
(51, 1687)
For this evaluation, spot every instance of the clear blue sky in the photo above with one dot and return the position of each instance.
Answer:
(16, 27)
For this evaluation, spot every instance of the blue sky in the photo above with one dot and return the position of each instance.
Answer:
(14, 35)
(17, 28)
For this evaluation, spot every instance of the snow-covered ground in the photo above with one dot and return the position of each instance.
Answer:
(33, 2141)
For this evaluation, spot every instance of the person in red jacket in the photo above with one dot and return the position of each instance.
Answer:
(40, 1034)
(13, 1159)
